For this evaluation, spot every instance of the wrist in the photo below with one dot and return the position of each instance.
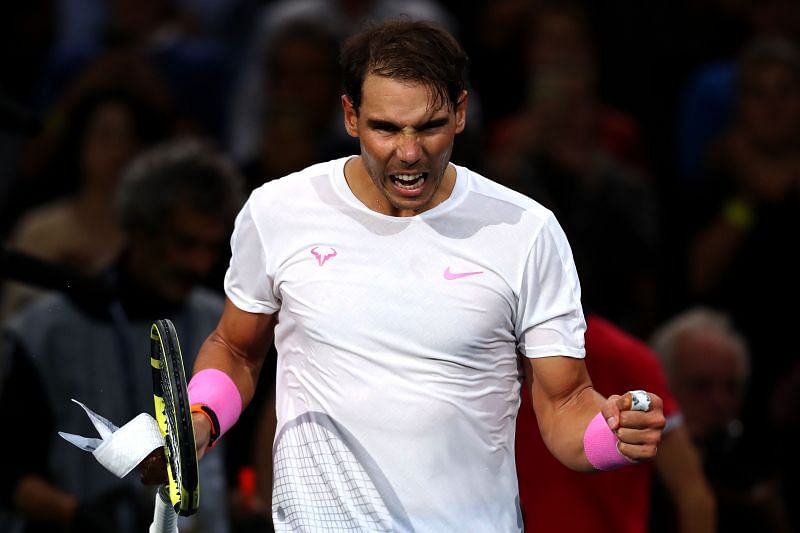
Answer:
(207, 417)
(213, 394)
(600, 445)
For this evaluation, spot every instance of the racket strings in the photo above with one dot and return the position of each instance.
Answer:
(320, 484)
(173, 445)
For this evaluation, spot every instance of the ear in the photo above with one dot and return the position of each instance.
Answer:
(461, 111)
(350, 116)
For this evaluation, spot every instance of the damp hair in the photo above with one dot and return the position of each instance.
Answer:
(410, 51)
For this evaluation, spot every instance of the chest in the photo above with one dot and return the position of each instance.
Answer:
(412, 289)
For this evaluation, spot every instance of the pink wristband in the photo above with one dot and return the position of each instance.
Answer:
(216, 390)
(600, 445)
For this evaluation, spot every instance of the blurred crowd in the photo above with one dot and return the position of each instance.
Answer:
(664, 136)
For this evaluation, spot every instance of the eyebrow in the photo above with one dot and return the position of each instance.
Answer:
(391, 126)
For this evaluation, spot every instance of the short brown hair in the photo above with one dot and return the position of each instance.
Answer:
(406, 50)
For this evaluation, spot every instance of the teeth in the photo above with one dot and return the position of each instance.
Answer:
(410, 185)
(408, 178)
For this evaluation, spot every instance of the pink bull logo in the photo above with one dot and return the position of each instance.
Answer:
(323, 253)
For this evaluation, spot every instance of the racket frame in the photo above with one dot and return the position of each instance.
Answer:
(174, 417)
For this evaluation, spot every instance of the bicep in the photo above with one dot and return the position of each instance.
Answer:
(555, 381)
(248, 334)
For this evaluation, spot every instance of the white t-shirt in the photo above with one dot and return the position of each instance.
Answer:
(397, 338)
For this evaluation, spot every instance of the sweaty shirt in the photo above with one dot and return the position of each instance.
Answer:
(397, 376)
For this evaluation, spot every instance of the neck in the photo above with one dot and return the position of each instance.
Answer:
(365, 189)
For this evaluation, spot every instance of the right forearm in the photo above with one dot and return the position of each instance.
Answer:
(238, 347)
(243, 371)
(226, 371)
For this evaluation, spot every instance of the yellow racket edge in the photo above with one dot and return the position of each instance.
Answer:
(183, 481)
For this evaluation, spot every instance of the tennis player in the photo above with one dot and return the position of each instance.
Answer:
(400, 288)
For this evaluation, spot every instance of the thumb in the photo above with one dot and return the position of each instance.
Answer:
(611, 410)
(625, 402)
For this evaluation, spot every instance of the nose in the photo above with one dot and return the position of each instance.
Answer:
(408, 148)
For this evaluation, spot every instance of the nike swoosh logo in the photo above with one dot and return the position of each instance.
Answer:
(459, 275)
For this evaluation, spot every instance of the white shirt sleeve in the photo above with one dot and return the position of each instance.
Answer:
(248, 284)
(550, 318)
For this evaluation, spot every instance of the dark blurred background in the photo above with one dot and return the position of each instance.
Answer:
(665, 136)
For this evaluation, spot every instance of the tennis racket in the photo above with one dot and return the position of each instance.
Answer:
(324, 480)
(181, 494)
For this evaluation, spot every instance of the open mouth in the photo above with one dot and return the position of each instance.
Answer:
(409, 182)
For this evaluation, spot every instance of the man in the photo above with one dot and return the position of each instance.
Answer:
(176, 205)
(707, 363)
(400, 288)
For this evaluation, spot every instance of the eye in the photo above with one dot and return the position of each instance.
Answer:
(384, 127)
(433, 126)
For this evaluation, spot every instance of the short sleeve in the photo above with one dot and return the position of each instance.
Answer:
(248, 283)
(550, 318)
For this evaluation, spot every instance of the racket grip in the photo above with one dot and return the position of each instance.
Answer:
(165, 519)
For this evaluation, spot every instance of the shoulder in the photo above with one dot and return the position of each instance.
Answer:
(500, 194)
(517, 214)
(517, 217)
(296, 184)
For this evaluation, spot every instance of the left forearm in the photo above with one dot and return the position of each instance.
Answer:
(563, 413)
(566, 403)
(563, 428)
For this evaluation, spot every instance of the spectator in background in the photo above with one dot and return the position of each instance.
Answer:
(576, 157)
(77, 227)
(707, 363)
(707, 102)
(194, 66)
(176, 205)
(555, 499)
(301, 121)
(27, 32)
(495, 34)
(740, 221)
(785, 412)
(39, 175)
(558, 45)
